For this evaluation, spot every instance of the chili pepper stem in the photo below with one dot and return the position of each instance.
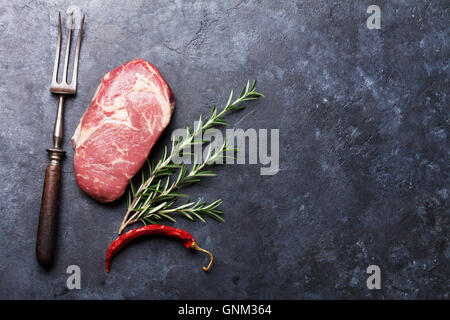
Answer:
(196, 247)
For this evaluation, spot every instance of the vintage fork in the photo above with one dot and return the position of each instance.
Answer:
(46, 238)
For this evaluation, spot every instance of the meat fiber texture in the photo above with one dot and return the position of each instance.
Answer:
(130, 109)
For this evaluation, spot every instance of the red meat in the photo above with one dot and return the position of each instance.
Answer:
(130, 109)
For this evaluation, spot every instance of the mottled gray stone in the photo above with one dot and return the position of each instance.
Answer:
(363, 119)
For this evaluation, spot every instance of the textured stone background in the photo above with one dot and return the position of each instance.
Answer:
(363, 119)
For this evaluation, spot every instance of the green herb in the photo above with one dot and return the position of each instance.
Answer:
(156, 196)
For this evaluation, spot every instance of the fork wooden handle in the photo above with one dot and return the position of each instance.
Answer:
(48, 218)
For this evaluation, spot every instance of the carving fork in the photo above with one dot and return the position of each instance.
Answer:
(46, 237)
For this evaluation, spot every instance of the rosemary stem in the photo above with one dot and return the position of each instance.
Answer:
(149, 198)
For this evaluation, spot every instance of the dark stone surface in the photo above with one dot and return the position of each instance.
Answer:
(363, 120)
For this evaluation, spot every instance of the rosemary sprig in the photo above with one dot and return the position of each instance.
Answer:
(154, 198)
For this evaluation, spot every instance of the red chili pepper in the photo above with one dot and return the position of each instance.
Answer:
(151, 229)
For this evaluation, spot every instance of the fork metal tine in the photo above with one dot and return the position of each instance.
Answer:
(58, 49)
(77, 52)
(66, 59)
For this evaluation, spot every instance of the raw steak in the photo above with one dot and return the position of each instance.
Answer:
(131, 107)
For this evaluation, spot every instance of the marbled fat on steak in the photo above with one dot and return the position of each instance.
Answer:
(130, 109)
